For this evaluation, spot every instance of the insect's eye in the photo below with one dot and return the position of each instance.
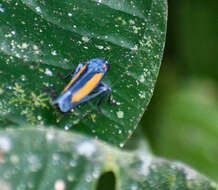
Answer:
(105, 67)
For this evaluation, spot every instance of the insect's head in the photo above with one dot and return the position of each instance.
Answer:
(98, 64)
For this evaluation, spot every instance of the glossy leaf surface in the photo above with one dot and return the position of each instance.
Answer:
(39, 39)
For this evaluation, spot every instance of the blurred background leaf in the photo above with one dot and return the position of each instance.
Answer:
(38, 39)
(31, 157)
(182, 119)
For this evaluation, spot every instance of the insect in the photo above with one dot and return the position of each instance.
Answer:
(86, 83)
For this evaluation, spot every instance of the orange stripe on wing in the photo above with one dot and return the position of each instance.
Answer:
(74, 78)
(87, 88)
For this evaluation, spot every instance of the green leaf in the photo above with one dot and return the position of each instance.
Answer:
(190, 55)
(39, 39)
(188, 118)
(52, 159)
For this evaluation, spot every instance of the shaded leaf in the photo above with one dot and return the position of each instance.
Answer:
(52, 159)
(186, 128)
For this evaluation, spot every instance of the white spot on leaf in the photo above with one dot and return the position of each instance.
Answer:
(120, 114)
(5, 143)
(48, 72)
(4, 185)
(24, 45)
(38, 9)
(142, 78)
(85, 38)
(86, 148)
(54, 52)
(59, 185)
(1, 9)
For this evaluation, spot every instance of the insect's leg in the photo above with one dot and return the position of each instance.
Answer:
(73, 72)
(107, 90)
(99, 103)
(51, 92)
(110, 100)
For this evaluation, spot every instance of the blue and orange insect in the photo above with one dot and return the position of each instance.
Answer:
(86, 83)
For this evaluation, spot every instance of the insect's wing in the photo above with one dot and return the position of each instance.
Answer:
(77, 92)
(75, 78)
(88, 84)
(64, 101)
